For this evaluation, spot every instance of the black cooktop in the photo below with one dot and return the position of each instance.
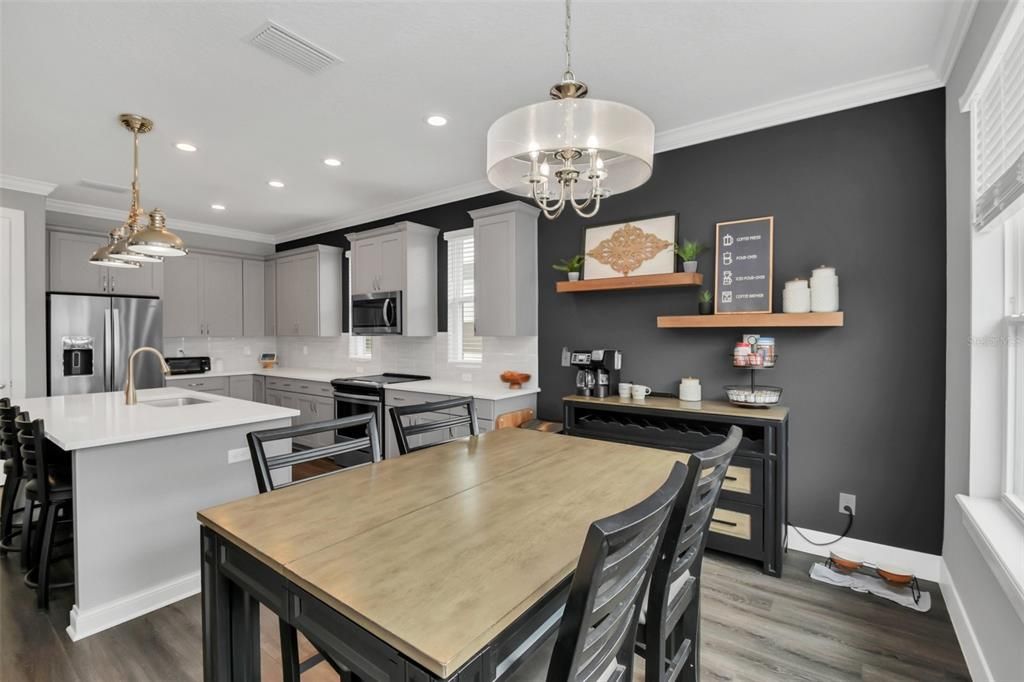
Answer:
(378, 379)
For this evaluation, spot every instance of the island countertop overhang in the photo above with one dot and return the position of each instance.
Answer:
(77, 422)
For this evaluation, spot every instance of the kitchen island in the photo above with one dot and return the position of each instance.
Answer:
(139, 475)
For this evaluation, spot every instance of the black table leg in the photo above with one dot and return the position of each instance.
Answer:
(231, 622)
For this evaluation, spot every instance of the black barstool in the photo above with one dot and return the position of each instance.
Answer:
(10, 453)
(49, 488)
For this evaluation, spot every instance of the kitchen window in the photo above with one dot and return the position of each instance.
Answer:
(464, 346)
(359, 347)
(1013, 487)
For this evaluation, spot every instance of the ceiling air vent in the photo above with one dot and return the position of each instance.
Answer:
(104, 186)
(296, 51)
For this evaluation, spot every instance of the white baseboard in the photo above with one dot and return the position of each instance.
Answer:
(925, 566)
(85, 623)
(969, 645)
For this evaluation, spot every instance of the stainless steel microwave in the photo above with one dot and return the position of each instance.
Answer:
(377, 314)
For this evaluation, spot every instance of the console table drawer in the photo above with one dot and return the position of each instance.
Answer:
(737, 528)
(744, 480)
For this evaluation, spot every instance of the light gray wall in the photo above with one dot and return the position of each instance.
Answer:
(193, 240)
(996, 625)
(34, 207)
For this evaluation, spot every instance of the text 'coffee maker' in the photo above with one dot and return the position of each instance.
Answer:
(593, 370)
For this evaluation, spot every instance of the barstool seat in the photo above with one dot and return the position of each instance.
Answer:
(60, 489)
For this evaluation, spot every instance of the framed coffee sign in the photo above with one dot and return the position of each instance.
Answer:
(744, 251)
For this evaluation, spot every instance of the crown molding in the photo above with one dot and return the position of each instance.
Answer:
(817, 103)
(429, 200)
(13, 182)
(90, 211)
(951, 36)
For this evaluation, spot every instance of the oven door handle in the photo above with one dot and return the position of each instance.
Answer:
(360, 399)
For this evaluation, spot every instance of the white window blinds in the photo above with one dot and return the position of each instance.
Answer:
(463, 344)
(997, 125)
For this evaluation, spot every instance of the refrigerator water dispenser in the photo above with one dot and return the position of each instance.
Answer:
(77, 352)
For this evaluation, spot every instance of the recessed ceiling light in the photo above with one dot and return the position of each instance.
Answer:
(185, 147)
(218, 207)
(276, 184)
(332, 162)
(437, 121)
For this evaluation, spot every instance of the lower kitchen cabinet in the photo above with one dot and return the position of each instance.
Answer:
(314, 401)
(259, 389)
(215, 385)
(241, 386)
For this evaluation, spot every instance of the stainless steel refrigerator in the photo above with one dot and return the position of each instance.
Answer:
(90, 338)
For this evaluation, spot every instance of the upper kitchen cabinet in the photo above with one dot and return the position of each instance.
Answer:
(308, 291)
(400, 257)
(204, 296)
(71, 271)
(254, 286)
(270, 297)
(505, 270)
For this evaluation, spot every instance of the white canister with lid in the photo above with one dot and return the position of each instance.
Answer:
(824, 290)
(689, 389)
(796, 297)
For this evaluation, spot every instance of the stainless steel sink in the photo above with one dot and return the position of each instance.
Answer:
(174, 402)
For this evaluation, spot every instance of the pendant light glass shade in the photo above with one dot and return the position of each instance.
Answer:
(621, 136)
(155, 239)
(119, 249)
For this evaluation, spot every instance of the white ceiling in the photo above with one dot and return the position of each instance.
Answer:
(697, 68)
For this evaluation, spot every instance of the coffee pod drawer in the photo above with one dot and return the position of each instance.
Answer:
(744, 480)
(737, 528)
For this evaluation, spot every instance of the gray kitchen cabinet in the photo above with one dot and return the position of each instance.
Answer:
(215, 385)
(270, 297)
(272, 397)
(308, 291)
(400, 257)
(241, 387)
(203, 296)
(505, 270)
(259, 389)
(181, 302)
(71, 271)
(222, 295)
(254, 287)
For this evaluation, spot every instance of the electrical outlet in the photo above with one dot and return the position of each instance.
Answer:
(305, 350)
(467, 376)
(246, 351)
(848, 500)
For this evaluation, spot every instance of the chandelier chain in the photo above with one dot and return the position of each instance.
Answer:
(568, 51)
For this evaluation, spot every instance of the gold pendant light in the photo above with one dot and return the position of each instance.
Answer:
(123, 250)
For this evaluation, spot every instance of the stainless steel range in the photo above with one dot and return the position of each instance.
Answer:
(359, 395)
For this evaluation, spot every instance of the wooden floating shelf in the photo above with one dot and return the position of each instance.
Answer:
(674, 279)
(751, 320)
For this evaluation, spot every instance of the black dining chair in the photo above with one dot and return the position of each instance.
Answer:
(264, 464)
(668, 637)
(49, 489)
(10, 453)
(594, 640)
(450, 418)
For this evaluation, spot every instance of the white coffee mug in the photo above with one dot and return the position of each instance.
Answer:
(624, 388)
(639, 391)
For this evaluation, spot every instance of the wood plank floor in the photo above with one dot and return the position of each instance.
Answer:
(755, 628)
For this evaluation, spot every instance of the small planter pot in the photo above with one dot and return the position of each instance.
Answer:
(574, 276)
(705, 308)
(689, 266)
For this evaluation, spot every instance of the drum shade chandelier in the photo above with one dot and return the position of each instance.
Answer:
(570, 150)
(134, 243)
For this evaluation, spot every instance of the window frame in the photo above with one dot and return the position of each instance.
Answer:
(456, 352)
(1012, 488)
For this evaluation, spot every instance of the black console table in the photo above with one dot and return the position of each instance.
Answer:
(750, 520)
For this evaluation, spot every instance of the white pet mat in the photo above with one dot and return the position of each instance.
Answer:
(858, 582)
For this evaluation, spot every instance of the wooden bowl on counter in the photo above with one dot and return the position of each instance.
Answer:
(514, 379)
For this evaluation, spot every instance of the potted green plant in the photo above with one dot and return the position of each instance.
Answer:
(571, 267)
(689, 252)
(704, 303)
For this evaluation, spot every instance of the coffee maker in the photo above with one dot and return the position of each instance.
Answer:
(593, 370)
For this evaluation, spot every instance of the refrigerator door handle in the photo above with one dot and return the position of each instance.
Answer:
(108, 352)
(116, 344)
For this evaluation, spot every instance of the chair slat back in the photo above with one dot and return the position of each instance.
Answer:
(32, 440)
(404, 430)
(682, 556)
(9, 447)
(595, 638)
(264, 463)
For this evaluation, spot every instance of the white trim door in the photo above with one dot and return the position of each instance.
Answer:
(12, 303)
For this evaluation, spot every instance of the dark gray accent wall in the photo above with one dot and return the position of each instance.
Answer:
(862, 190)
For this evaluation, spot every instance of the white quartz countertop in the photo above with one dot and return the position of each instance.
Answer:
(283, 372)
(75, 422)
(482, 390)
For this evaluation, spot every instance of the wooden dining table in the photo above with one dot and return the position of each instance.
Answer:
(439, 565)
